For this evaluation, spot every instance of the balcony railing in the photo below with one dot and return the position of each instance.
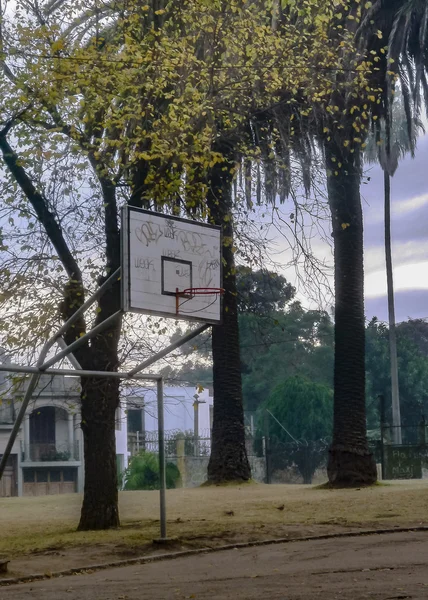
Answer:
(50, 452)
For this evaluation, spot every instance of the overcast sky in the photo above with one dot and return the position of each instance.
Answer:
(409, 236)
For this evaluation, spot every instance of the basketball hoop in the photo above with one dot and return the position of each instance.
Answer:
(190, 293)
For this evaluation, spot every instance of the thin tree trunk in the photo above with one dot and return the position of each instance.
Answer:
(100, 399)
(228, 460)
(395, 395)
(350, 461)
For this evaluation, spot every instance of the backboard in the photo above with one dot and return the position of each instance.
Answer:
(162, 254)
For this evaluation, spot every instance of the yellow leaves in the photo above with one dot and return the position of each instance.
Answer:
(379, 34)
(345, 226)
(57, 45)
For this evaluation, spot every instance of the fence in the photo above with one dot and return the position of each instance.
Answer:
(405, 460)
(271, 459)
(191, 453)
(148, 441)
(298, 461)
(53, 452)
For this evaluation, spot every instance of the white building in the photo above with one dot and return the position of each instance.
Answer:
(185, 409)
(47, 457)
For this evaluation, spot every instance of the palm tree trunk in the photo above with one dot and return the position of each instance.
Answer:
(228, 460)
(350, 461)
(395, 395)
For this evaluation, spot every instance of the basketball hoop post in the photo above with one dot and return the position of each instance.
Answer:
(161, 255)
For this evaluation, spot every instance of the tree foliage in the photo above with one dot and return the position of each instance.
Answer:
(261, 292)
(104, 104)
(297, 418)
(412, 370)
(303, 408)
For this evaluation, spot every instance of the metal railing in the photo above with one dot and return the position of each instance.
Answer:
(50, 452)
(148, 441)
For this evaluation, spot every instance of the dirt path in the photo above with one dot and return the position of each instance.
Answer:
(376, 567)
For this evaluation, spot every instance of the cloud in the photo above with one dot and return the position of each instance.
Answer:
(408, 187)
(406, 277)
(408, 304)
(403, 253)
(405, 206)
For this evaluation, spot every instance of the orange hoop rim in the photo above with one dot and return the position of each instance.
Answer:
(195, 291)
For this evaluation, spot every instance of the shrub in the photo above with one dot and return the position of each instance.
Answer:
(143, 473)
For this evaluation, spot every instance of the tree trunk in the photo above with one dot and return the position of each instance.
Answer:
(228, 461)
(100, 500)
(395, 392)
(100, 397)
(350, 461)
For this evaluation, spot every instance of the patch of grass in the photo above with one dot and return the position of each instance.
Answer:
(330, 486)
(236, 483)
(208, 513)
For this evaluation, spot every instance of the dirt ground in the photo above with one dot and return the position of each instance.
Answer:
(38, 534)
(376, 567)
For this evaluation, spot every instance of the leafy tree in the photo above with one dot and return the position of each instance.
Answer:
(143, 473)
(412, 372)
(135, 132)
(304, 408)
(300, 418)
(262, 292)
(416, 330)
(146, 104)
(282, 345)
(337, 119)
(274, 344)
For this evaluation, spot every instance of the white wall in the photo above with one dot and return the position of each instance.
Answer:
(179, 411)
(61, 427)
(4, 438)
(122, 436)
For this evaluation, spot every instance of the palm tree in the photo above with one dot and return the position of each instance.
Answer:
(387, 146)
(228, 460)
(404, 26)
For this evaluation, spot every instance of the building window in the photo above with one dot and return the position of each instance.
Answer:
(135, 420)
(29, 475)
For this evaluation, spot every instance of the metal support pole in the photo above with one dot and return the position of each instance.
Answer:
(162, 473)
(196, 427)
(382, 427)
(81, 373)
(89, 302)
(63, 345)
(80, 341)
(267, 445)
(167, 350)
